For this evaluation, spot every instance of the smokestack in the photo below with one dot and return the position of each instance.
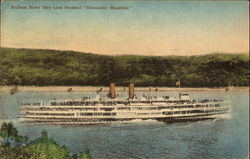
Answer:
(131, 90)
(112, 90)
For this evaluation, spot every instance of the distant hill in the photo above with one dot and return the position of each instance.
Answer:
(51, 67)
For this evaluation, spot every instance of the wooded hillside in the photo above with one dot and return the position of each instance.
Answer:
(51, 67)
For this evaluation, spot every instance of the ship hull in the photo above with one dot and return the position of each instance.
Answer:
(196, 118)
(84, 121)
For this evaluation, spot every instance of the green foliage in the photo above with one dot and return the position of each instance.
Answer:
(46, 150)
(50, 67)
(10, 135)
(85, 155)
(43, 139)
(45, 147)
(41, 148)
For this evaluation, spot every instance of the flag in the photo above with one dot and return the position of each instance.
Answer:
(98, 91)
(178, 83)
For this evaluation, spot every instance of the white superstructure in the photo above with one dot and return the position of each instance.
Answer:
(91, 111)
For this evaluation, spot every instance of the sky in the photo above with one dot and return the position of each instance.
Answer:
(145, 28)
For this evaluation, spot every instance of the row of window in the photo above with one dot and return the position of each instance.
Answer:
(52, 114)
(190, 106)
(58, 109)
(90, 109)
(193, 111)
(97, 114)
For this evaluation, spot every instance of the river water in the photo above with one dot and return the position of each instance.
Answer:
(225, 138)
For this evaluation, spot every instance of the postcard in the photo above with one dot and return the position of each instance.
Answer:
(84, 79)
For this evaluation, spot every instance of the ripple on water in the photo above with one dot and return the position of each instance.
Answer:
(212, 139)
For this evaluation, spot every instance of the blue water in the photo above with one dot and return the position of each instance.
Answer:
(212, 139)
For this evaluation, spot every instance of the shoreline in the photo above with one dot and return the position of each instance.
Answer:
(7, 89)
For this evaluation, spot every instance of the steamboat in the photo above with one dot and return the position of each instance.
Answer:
(113, 109)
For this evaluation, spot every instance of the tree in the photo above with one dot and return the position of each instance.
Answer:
(50, 67)
(10, 135)
(45, 147)
(42, 148)
(85, 155)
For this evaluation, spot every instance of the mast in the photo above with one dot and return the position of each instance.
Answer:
(178, 83)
